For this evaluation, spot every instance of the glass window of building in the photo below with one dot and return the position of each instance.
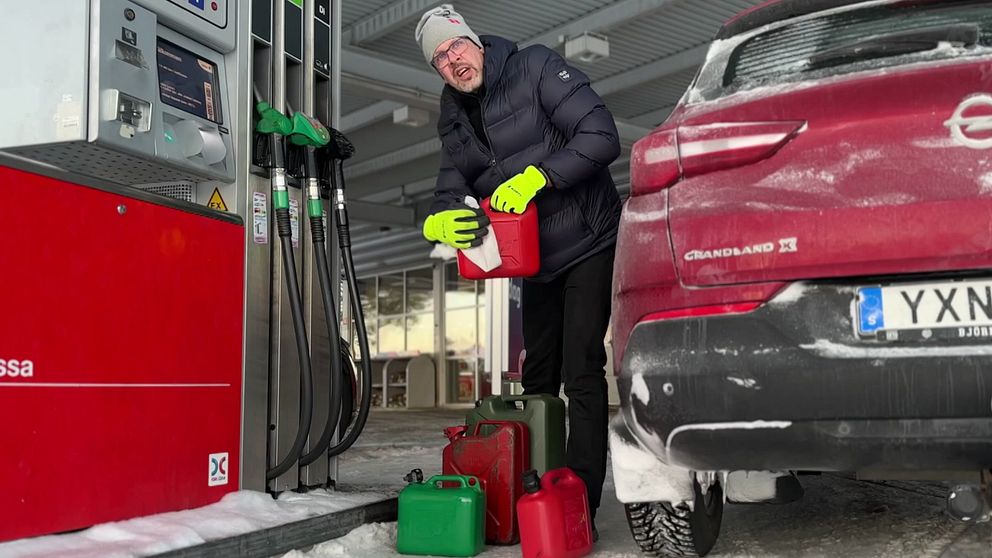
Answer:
(420, 310)
(420, 291)
(401, 312)
(392, 336)
(458, 292)
(367, 290)
(464, 338)
(391, 294)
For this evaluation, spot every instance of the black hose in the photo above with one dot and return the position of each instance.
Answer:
(300, 328)
(334, 411)
(344, 239)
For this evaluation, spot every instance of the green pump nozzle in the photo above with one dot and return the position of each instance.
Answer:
(274, 124)
(308, 132)
(272, 121)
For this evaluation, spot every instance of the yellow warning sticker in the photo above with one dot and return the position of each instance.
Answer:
(216, 201)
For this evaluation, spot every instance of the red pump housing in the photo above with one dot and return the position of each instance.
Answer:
(120, 355)
(554, 516)
(497, 453)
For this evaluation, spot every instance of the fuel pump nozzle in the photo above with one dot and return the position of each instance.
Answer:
(276, 125)
(331, 160)
(309, 135)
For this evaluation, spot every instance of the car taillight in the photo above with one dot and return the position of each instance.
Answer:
(714, 147)
(701, 311)
(654, 163)
(661, 159)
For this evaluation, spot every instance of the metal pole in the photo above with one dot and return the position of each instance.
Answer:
(336, 31)
(332, 247)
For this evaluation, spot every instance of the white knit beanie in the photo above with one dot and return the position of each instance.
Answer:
(440, 24)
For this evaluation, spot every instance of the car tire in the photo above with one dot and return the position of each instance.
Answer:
(674, 530)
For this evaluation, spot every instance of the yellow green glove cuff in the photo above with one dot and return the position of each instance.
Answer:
(513, 195)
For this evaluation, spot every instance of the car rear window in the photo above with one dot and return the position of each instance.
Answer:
(854, 40)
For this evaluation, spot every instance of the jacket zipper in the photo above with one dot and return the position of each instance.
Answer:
(485, 132)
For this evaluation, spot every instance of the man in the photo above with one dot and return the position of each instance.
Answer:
(521, 126)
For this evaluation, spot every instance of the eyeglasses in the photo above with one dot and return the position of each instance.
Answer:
(443, 58)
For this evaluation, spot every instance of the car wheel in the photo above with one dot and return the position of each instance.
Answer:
(667, 530)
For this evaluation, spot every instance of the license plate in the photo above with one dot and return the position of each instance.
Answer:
(950, 309)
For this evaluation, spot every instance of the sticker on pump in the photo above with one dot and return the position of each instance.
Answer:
(218, 469)
(217, 201)
(260, 217)
(294, 221)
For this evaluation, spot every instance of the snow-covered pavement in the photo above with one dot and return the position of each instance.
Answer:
(238, 513)
(839, 517)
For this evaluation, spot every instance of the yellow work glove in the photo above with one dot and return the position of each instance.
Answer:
(513, 195)
(458, 228)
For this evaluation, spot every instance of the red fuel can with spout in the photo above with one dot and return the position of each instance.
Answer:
(519, 245)
(497, 453)
(554, 516)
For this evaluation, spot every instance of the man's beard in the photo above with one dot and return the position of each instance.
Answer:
(470, 86)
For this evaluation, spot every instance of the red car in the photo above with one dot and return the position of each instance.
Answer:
(804, 269)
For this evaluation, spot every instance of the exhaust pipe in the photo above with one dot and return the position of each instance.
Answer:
(968, 503)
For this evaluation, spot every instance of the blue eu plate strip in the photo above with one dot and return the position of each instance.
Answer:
(870, 316)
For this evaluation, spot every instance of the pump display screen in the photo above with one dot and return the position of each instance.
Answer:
(189, 82)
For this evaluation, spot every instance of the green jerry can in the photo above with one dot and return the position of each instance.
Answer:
(446, 516)
(545, 417)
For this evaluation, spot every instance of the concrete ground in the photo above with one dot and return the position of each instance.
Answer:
(838, 516)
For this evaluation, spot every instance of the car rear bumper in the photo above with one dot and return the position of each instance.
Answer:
(789, 386)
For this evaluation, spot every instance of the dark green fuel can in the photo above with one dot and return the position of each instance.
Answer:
(544, 416)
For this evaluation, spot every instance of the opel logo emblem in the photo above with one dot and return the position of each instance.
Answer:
(972, 121)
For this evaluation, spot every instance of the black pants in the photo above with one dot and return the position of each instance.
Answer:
(565, 324)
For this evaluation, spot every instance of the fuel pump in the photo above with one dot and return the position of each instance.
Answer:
(128, 119)
(137, 120)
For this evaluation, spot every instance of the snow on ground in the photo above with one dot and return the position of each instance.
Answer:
(237, 513)
(838, 516)
(379, 541)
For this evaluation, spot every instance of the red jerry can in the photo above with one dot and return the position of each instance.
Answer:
(519, 245)
(554, 516)
(497, 453)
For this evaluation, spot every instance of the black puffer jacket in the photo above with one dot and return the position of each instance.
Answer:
(537, 111)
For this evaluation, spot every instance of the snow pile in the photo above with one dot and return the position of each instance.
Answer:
(378, 540)
(790, 295)
(986, 182)
(746, 383)
(368, 541)
(752, 486)
(236, 514)
(640, 475)
(639, 389)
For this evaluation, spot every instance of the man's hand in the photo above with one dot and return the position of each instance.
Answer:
(513, 195)
(458, 228)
